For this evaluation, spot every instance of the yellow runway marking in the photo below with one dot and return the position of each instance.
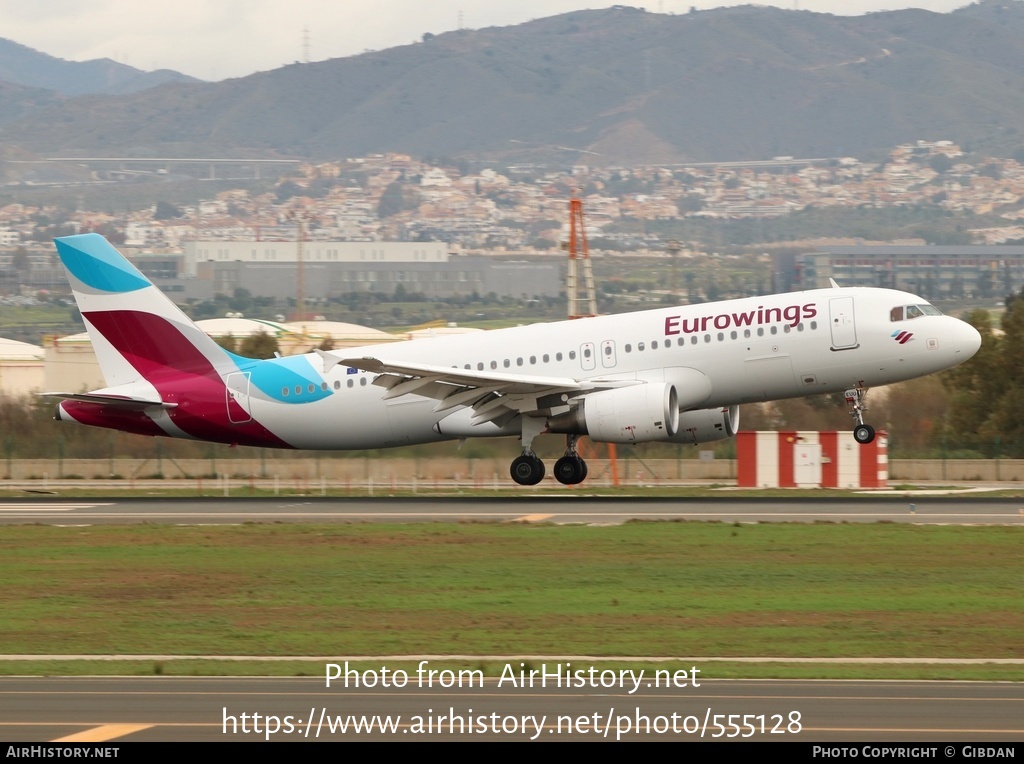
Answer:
(533, 518)
(103, 734)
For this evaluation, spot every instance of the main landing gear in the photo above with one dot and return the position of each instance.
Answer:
(862, 433)
(570, 469)
(528, 469)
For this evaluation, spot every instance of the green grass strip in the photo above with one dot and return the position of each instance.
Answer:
(654, 589)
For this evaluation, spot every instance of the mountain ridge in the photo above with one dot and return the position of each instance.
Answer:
(616, 86)
(25, 66)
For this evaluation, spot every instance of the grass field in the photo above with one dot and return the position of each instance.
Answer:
(640, 589)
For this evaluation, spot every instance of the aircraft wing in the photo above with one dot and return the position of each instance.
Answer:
(491, 394)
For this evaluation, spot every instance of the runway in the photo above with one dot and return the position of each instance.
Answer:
(578, 508)
(120, 709)
(126, 709)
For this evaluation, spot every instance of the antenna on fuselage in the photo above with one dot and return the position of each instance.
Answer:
(833, 283)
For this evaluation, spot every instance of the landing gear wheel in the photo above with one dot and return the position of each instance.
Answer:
(570, 470)
(864, 433)
(527, 470)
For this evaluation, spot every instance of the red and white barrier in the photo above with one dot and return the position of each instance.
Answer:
(810, 460)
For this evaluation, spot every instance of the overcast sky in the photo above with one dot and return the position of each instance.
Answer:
(217, 39)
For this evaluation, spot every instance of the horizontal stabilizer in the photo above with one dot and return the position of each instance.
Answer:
(114, 401)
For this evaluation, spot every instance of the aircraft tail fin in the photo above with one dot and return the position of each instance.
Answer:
(137, 332)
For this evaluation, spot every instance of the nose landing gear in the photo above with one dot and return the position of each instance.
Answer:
(862, 433)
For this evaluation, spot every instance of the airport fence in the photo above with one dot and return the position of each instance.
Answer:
(311, 475)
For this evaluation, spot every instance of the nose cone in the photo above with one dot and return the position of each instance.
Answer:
(966, 341)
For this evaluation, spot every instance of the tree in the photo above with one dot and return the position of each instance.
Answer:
(393, 200)
(915, 412)
(228, 342)
(1006, 417)
(260, 345)
(978, 389)
(20, 260)
(241, 300)
(940, 163)
(166, 211)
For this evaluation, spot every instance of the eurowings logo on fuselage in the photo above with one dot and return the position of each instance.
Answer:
(791, 314)
(902, 337)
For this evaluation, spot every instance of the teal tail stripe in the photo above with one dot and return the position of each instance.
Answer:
(90, 259)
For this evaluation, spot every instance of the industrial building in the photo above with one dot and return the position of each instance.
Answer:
(935, 272)
(367, 252)
(271, 269)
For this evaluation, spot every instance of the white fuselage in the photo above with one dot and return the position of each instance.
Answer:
(751, 349)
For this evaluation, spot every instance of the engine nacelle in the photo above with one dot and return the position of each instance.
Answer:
(634, 414)
(707, 425)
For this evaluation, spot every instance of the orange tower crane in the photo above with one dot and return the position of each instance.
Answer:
(579, 256)
(582, 306)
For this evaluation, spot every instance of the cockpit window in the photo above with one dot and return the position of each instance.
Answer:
(907, 312)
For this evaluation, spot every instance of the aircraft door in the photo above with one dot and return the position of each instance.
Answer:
(588, 356)
(844, 329)
(608, 354)
(236, 391)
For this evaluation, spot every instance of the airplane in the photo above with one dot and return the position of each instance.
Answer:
(675, 374)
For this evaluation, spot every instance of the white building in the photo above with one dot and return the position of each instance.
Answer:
(21, 368)
(313, 252)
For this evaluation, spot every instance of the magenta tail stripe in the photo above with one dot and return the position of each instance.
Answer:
(150, 343)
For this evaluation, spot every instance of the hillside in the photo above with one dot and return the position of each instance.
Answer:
(24, 66)
(630, 86)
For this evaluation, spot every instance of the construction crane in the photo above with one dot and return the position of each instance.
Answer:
(582, 306)
(579, 257)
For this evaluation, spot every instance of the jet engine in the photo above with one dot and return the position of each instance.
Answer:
(706, 425)
(632, 414)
